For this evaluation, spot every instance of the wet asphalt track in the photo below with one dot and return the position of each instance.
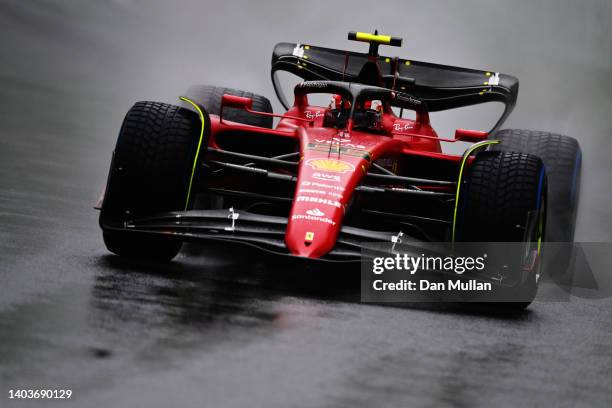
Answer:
(224, 328)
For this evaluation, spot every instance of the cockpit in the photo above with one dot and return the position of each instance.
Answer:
(358, 106)
(367, 114)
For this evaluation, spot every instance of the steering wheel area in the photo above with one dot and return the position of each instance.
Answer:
(361, 105)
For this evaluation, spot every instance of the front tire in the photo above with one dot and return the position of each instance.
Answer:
(504, 200)
(151, 172)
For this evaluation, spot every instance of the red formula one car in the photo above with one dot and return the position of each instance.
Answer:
(330, 177)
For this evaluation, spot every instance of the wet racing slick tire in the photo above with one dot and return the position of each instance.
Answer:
(151, 172)
(562, 157)
(210, 98)
(504, 200)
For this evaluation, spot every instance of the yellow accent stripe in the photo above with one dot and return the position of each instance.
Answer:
(465, 157)
(195, 160)
(540, 231)
(383, 39)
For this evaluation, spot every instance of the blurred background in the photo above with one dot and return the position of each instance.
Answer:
(72, 315)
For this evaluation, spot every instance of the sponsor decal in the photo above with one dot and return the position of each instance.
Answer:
(348, 151)
(318, 200)
(409, 99)
(342, 142)
(313, 115)
(326, 177)
(311, 191)
(321, 192)
(333, 165)
(312, 218)
(313, 84)
(309, 236)
(298, 51)
(321, 185)
(494, 79)
(402, 127)
(315, 212)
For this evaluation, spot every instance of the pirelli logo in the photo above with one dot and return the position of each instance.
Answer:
(319, 200)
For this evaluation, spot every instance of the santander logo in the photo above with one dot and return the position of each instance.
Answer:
(315, 212)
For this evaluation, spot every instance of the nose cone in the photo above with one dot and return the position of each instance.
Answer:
(313, 226)
(323, 189)
(310, 251)
(333, 163)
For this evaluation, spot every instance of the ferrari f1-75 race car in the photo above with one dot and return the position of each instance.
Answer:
(329, 177)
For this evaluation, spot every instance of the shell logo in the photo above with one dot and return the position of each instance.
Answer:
(335, 166)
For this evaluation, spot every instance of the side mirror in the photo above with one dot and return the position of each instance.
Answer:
(241, 102)
(233, 101)
(473, 136)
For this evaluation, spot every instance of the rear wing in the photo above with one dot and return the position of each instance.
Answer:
(441, 87)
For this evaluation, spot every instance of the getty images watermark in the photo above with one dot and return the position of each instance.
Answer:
(412, 264)
(485, 272)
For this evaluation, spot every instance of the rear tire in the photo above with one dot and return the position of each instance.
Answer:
(150, 172)
(210, 98)
(502, 194)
